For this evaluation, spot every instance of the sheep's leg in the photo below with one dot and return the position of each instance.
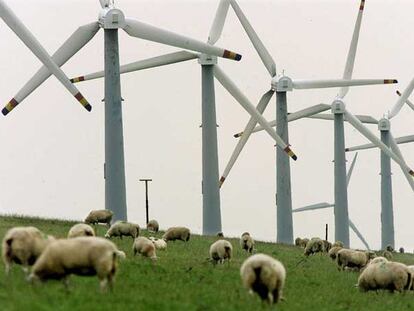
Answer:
(103, 283)
(25, 269)
(7, 266)
(276, 295)
(270, 298)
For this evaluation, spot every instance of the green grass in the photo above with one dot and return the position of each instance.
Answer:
(183, 280)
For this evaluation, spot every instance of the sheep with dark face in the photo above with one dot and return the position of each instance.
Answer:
(80, 230)
(99, 216)
(23, 245)
(85, 256)
(220, 251)
(265, 276)
(177, 233)
(123, 228)
(247, 242)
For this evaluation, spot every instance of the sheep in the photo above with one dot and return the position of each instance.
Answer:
(387, 254)
(80, 230)
(220, 235)
(99, 216)
(220, 251)
(315, 245)
(264, 275)
(159, 243)
(352, 259)
(389, 248)
(247, 242)
(401, 250)
(378, 259)
(338, 243)
(326, 246)
(145, 247)
(386, 275)
(301, 242)
(23, 245)
(153, 226)
(86, 256)
(177, 233)
(121, 228)
(333, 252)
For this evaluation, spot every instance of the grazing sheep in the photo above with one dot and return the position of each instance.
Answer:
(352, 259)
(326, 246)
(23, 245)
(220, 251)
(177, 233)
(315, 245)
(121, 228)
(301, 242)
(159, 243)
(264, 275)
(145, 247)
(333, 252)
(80, 230)
(220, 235)
(378, 259)
(153, 226)
(85, 256)
(401, 250)
(387, 254)
(247, 242)
(389, 248)
(386, 275)
(99, 216)
(338, 243)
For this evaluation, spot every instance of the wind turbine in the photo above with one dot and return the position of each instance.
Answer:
(281, 85)
(111, 19)
(384, 126)
(328, 205)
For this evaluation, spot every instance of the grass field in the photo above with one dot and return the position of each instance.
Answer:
(182, 279)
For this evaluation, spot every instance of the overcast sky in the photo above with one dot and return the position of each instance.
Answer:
(53, 153)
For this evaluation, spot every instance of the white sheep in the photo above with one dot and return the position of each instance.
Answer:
(353, 259)
(23, 245)
(84, 256)
(301, 242)
(315, 245)
(333, 252)
(145, 247)
(247, 242)
(220, 251)
(387, 254)
(123, 228)
(177, 233)
(159, 243)
(386, 275)
(99, 216)
(153, 226)
(80, 230)
(264, 275)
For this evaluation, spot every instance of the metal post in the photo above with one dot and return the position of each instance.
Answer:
(387, 214)
(146, 199)
(210, 184)
(283, 187)
(326, 232)
(341, 193)
(115, 194)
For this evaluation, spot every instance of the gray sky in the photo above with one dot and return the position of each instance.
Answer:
(53, 153)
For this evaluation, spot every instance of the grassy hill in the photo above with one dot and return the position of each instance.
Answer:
(183, 280)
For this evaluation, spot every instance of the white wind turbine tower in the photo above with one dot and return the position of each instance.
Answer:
(208, 62)
(384, 126)
(281, 85)
(328, 205)
(110, 19)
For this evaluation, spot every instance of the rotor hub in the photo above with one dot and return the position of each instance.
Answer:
(338, 107)
(384, 125)
(111, 18)
(205, 59)
(282, 84)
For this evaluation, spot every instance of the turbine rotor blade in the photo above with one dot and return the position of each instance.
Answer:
(362, 118)
(218, 23)
(351, 169)
(403, 98)
(320, 84)
(254, 38)
(375, 140)
(31, 42)
(69, 48)
(153, 62)
(147, 32)
(397, 151)
(313, 207)
(359, 234)
(264, 101)
(350, 61)
(294, 116)
(408, 102)
(245, 103)
(398, 140)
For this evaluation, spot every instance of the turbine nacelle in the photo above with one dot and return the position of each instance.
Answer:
(205, 59)
(111, 18)
(282, 84)
(384, 124)
(338, 106)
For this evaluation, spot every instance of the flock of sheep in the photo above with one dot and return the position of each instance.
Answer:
(376, 272)
(82, 253)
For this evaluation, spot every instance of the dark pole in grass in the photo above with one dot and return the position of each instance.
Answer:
(326, 232)
(146, 197)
